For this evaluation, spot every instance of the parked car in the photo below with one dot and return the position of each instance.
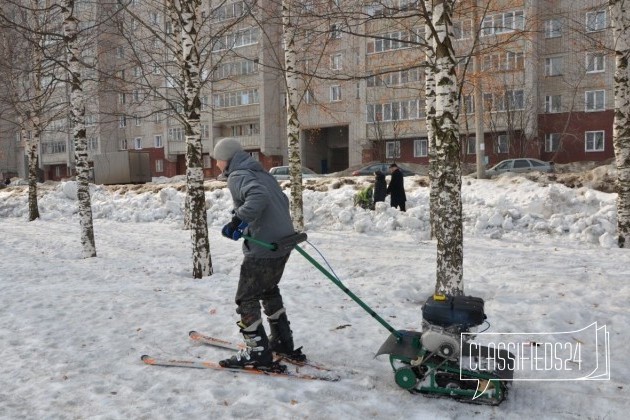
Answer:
(281, 173)
(520, 165)
(383, 167)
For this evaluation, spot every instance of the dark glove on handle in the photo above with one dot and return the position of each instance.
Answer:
(234, 229)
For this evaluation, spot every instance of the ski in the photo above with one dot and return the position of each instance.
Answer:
(278, 371)
(224, 344)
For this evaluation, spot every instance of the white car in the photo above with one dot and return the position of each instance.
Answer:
(281, 173)
(520, 166)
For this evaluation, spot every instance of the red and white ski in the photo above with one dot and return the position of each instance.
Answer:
(277, 371)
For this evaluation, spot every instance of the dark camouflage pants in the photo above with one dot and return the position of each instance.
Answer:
(259, 282)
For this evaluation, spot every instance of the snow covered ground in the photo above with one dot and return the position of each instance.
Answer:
(73, 330)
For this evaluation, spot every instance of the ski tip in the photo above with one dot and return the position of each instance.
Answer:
(192, 333)
(147, 359)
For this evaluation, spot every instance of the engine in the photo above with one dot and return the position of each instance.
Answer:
(444, 318)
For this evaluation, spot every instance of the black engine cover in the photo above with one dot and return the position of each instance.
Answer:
(461, 311)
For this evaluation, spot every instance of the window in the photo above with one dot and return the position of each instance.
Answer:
(93, 143)
(471, 146)
(204, 102)
(553, 28)
(462, 29)
(552, 142)
(553, 66)
(420, 148)
(521, 163)
(176, 134)
(335, 31)
(240, 98)
(138, 120)
(595, 100)
(157, 141)
(241, 38)
(595, 62)
(154, 18)
(157, 118)
(123, 144)
(392, 41)
(205, 131)
(488, 101)
(491, 62)
(137, 143)
(468, 104)
(159, 165)
(137, 95)
(335, 93)
(335, 61)
(120, 52)
(207, 161)
(596, 21)
(392, 149)
(515, 99)
(122, 121)
(122, 98)
(503, 23)
(514, 61)
(502, 144)
(553, 103)
(309, 97)
(90, 120)
(594, 141)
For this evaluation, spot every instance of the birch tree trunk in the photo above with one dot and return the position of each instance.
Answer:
(77, 117)
(430, 71)
(620, 18)
(293, 123)
(196, 197)
(446, 177)
(32, 152)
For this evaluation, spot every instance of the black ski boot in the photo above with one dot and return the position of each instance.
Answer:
(281, 337)
(256, 353)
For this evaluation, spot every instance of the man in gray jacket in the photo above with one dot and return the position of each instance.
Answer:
(261, 210)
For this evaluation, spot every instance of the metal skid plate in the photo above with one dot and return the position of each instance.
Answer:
(405, 346)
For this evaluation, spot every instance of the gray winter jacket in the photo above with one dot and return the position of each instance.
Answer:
(259, 201)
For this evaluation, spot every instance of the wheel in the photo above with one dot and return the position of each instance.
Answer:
(405, 377)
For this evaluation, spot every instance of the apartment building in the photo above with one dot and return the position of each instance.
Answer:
(545, 69)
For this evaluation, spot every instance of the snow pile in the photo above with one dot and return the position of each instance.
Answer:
(507, 206)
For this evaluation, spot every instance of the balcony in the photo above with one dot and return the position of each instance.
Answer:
(54, 158)
(179, 147)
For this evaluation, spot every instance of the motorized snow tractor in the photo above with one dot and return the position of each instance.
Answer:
(442, 360)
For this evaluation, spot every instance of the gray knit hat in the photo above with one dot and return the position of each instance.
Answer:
(226, 148)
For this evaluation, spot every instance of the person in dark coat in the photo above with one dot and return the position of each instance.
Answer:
(396, 188)
(380, 187)
(261, 210)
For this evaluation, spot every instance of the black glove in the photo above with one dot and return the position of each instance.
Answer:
(234, 229)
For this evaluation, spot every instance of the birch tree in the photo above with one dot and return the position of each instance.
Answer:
(77, 120)
(445, 171)
(620, 17)
(186, 14)
(24, 68)
(293, 123)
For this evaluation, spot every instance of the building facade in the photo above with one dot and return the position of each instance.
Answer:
(544, 66)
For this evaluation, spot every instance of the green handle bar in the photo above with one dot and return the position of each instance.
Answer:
(334, 279)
